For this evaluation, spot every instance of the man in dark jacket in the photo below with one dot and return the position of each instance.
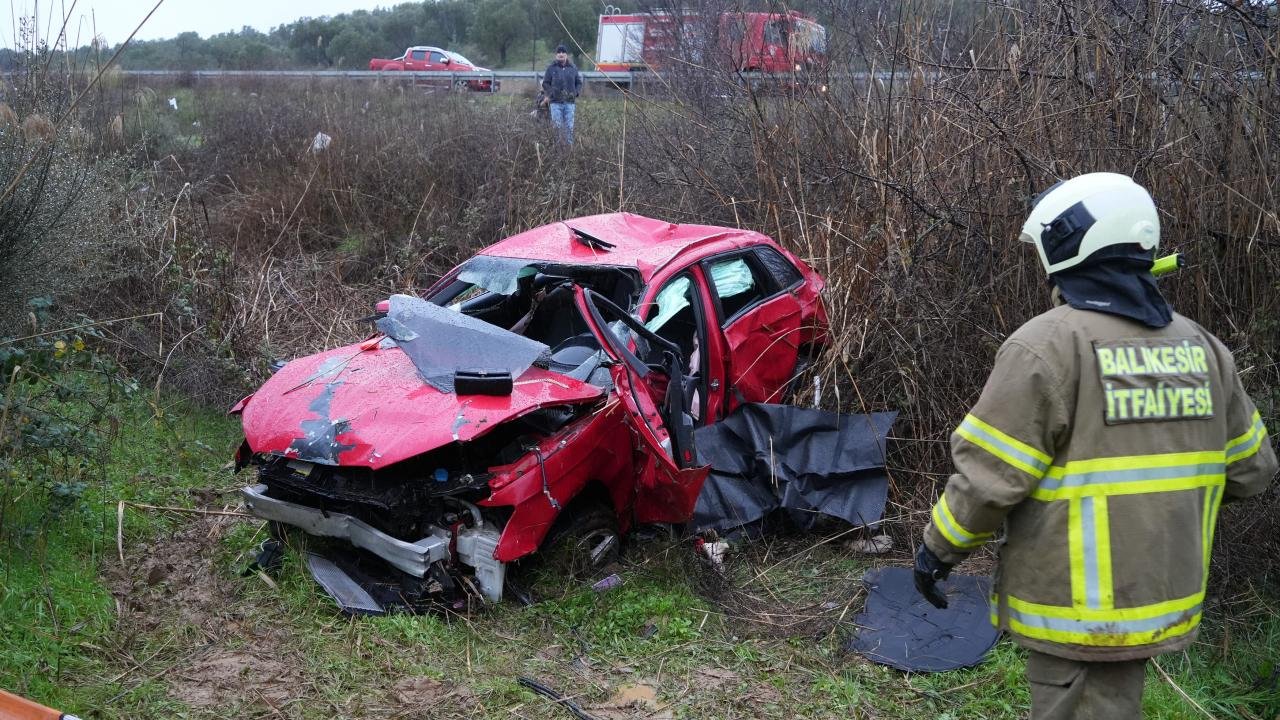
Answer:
(561, 85)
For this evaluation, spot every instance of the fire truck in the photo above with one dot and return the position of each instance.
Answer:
(747, 41)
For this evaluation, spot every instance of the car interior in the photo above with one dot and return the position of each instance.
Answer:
(541, 307)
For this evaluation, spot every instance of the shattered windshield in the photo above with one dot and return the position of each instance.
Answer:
(440, 342)
(484, 280)
(496, 274)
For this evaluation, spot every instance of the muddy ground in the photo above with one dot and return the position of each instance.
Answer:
(187, 623)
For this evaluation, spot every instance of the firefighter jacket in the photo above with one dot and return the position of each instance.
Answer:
(1105, 447)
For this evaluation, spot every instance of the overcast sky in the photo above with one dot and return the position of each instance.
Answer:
(115, 19)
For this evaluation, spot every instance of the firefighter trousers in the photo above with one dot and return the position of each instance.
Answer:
(1063, 689)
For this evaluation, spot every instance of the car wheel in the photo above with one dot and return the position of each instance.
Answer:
(581, 545)
(587, 543)
(460, 85)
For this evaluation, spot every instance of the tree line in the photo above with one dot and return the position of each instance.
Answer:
(496, 33)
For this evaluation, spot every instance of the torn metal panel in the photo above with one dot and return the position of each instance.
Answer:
(899, 628)
(763, 347)
(412, 558)
(440, 342)
(352, 599)
(769, 457)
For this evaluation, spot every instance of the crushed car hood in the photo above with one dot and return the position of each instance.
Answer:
(366, 405)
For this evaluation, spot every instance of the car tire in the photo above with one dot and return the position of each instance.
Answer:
(581, 545)
(584, 542)
(461, 85)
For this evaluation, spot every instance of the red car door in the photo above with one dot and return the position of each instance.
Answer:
(761, 323)
(416, 60)
(667, 480)
(679, 310)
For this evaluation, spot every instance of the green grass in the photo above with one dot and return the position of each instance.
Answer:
(705, 654)
(54, 608)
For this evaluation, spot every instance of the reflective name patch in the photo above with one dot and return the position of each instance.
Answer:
(1149, 380)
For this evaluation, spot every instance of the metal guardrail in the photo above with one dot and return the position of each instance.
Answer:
(453, 76)
(621, 78)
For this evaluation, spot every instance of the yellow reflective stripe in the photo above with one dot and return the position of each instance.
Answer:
(1132, 474)
(1136, 462)
(1249, 443)
(1212, 501)
(1104, 639)
(1254, 423)
(952, 530)
(1082, 614)
(1075, 553)
(1005, 447)
(1102, 551)
(1009, 439)
(1131, 488)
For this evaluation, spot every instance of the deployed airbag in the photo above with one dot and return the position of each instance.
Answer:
(441, 342)
(768, 457)
(899, 628)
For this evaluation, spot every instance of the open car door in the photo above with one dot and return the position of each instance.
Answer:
(669, 478)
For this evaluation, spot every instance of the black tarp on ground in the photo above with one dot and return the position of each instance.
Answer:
(899, 628)
(769, 457)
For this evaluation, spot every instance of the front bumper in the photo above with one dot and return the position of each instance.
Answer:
(412, 558)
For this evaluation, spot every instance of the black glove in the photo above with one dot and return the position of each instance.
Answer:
(929, 570)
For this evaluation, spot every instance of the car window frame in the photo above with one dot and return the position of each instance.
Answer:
(432, 57)
(702, 327)
(413, 55)
(758, 270)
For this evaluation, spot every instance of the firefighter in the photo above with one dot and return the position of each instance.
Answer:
(1108, 434)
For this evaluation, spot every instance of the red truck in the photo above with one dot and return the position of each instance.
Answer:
(424, 58)
(749, 41)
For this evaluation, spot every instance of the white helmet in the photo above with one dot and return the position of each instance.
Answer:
(1077, 217)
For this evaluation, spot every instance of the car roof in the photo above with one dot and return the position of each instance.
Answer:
(638, 242)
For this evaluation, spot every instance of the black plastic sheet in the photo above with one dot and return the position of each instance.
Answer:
(899, 628)
(441, 342)
(808, 462)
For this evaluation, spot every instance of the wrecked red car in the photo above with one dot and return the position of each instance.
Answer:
(548, 387)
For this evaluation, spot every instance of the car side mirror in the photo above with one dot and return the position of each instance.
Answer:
(446, 61)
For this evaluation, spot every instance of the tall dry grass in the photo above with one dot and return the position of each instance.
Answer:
(905, 189)
(908, 189)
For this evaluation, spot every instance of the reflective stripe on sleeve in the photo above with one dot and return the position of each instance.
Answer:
(1133, 474)
(1248, 443)
(952, 530)
(1005, 447)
